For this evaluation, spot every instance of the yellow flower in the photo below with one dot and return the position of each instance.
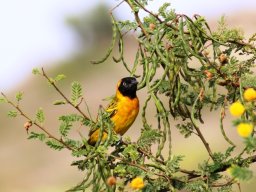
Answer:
(236, 109)
(137, 183)
(244, 129)
(249, 94)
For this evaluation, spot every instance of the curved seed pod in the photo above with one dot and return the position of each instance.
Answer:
(154, 87)
(222, 114)
(121, 48)
(135, 64)
(178, 93)
(163, 114)
(143, 114)
(110, 49)
(96, 178)
(102, 129)
(145, 71)
(153, 68)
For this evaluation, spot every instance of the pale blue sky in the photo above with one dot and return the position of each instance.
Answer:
(33, 32)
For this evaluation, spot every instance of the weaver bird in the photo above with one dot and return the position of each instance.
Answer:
(123, 109)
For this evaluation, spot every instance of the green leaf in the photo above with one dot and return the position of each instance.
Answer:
(59, 102)
(40, 136)
(164, 87)
(19, 96)
(120, 170)
(2, 100)
(131, 152)
(248, 81)
(56, 145)
(229, 151)
(36, 71)
(197, 186)
(59, 77)
(64, 128)
(185, 129)
(67, 121)
(149, 137)
(240, 173)
(225, 189)
(76, 92)
(173, 164)
(81, 164)
(73, 143)
(250, 143)
(40, 116)
(134, 171)
(71, 117)
(12, 113)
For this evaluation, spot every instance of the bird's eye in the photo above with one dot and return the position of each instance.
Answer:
(124, 84)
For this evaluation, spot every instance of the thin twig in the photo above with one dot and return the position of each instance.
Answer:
(35, 123)
(137, 18)
(251, 159)
(158, 18)
(200, 135)
(231, 181)
(62, 94)
(111, 10)
(140, 167)
(149, 155)
(222, 116)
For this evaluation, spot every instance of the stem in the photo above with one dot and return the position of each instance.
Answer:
(156, 16)
(62, 94)
(38, 125)
(200, 135)
(137, 18)
(140, 167)
(222, 116)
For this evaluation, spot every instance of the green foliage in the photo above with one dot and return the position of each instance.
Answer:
(185, 69)
(250, 143)
(12, 113)
(185, 129)
(223, 157)
(67, 122)
(240, 173)
(76, 92)
(19, 96)
(2, 100)
(248, 81)
(197, 186)
(59, 77)
(225, 189)
(54, 144)
(65, 127)
(59, 102)
(40, 136)
(173, 164)
(40, 116)
(225, 34)
(130, 152)
(36, 71)
(148, 138)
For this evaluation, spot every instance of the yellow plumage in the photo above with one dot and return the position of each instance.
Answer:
(123, 109)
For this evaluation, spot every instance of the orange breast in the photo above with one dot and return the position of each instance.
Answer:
(127, 111)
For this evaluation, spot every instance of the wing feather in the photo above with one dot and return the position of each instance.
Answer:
(112, 107)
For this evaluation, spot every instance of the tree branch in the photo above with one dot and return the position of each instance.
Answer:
(35, 123)
(62, 94)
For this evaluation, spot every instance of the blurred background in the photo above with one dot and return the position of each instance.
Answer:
(63, 37)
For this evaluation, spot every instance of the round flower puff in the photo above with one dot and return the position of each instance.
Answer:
(236, 109)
